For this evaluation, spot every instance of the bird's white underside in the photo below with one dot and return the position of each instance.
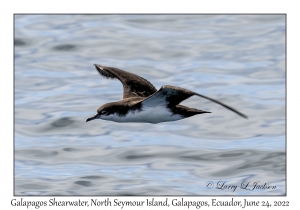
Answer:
(151, 114)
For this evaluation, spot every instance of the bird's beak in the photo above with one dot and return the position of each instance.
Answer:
(92, 118)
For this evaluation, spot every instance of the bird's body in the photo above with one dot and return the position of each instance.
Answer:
(144, 104)
(145, 115)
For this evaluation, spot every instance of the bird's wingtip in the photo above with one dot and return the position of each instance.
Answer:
(244, 116)
(98, 67)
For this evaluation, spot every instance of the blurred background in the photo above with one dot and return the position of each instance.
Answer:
(237, 59)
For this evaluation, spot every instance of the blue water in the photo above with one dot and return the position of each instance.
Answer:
(237, 59)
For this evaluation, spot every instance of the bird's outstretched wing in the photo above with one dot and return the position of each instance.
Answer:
(133, 85)
(171, 96)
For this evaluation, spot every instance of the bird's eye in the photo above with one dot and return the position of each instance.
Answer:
(104, 112)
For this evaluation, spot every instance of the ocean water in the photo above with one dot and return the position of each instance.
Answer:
(237, 59)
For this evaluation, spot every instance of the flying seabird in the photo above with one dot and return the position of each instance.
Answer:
(144, 104)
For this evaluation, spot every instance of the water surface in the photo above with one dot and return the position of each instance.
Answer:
(237, 59)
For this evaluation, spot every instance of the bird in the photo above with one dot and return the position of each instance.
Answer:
(143, 103)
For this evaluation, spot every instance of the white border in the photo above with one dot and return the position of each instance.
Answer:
(154, 6)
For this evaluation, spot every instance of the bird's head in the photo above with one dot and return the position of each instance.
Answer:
(105, 112)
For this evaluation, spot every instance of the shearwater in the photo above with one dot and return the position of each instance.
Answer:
(144, 104)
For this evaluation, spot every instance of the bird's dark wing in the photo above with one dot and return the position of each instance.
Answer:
(133, 85)
(172, 96)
